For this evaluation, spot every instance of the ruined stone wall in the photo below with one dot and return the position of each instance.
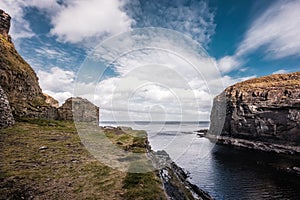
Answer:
(79, 109)
(6, 117)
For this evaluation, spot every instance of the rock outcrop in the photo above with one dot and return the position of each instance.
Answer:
(79, 109)
(265, 109)
(18, 79)
(51, 101)
(6, 117)
(5, 25)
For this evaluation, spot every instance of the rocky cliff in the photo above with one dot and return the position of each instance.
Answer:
(50, 100)
(265, 109)
(18, 79)
(5, 25)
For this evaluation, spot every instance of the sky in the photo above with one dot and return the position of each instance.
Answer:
(138, 55)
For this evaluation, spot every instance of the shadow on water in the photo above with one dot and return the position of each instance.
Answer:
(244, 174)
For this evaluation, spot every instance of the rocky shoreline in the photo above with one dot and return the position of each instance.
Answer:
(256, 145)
(291, 154)
(174, 178)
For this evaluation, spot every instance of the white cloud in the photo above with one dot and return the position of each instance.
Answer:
(163, 75)
(75, 21)
(228, 63)
(20, 27)
(281, 71)
(277, 30)
(57, 82)
(52, 53)
(82, 21)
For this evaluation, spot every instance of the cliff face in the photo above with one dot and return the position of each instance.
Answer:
(18, 79)
(263, 109)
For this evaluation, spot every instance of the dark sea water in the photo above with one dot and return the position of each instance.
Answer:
(224, 172)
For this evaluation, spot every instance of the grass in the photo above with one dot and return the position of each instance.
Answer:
(46, 159)
(12, 58)
(144, 186)
(289, 81)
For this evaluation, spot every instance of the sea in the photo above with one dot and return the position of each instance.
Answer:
(224, 172)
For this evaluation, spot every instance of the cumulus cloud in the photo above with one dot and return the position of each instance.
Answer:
(88, 22)
(228, 63)
(173, 82)
(57, 82)
(157, 74)
(79, 21)
(82, 21)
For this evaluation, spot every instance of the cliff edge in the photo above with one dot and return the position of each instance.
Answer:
(18, 79)
(265, 110)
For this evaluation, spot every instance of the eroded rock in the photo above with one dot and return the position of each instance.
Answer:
(5, 25)
(266, 109)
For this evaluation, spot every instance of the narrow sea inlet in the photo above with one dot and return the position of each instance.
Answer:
(224, 172)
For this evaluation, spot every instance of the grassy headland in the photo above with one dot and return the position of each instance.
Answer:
(45, 159)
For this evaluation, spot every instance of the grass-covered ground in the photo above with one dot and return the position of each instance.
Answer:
(42, 159)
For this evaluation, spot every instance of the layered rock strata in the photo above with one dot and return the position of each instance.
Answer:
(265, 109)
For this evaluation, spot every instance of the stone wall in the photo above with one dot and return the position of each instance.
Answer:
(265, 109)
(6, 117)
(79, 109)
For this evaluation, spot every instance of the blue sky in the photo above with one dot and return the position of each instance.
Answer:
(244, 39)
